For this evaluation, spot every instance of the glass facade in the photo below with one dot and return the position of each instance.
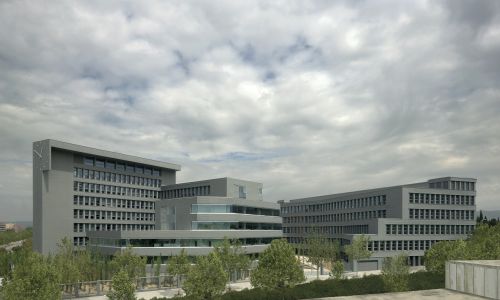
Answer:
(223, 225)
(227, 208)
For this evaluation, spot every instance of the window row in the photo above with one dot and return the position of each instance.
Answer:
(454, 185)
(236, 209)
(404, 229)
(342, 217)
(112, 215)
(112, 202)
(114, 190)
(419, 245)
(350, 229)
(173, 242)
(84, 227)
(441, 199)
(120, 166)
(187, 192)
(113, 177)
(336, 205)
(441, 214)
(223, 225)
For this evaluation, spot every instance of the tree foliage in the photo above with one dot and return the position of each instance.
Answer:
(127, 260)
(358, 249)
(122, 287)
(320, 250)
(207, 279)
(396, 273)
(157, 265)
(337, 271)
(278, 267)
(232, 256)
(436, 257)
(35, 277)
(8, 259)
(10, 236)
(483, 244)
(179, 264)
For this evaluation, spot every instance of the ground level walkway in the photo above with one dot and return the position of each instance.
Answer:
(438, 294)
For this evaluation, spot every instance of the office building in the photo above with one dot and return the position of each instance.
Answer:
(198, 215)
(77, 189)
(118, 200)
(400, 219)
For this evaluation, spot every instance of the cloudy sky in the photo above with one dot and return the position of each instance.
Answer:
(308, 97)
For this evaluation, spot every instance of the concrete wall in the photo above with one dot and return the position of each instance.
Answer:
(479, 277)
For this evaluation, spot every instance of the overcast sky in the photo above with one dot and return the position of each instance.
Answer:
(307, 97)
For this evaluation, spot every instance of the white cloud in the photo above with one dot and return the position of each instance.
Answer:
(307, 97)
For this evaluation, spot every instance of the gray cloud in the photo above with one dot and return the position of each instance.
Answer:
(307, 97)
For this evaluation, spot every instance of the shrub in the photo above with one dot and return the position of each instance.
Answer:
(337, 270)
(395, 273)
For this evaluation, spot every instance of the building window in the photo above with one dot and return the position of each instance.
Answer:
(99, 163)
(89, 161)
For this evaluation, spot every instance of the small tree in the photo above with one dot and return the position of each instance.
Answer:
(396, 273)
(157, 266)
(316, 250)
(122, 287)
(358, 249)
(34, 278)
(179, 265)
(337, 269)
(232, 256)
(127, 260)
(278, 267)
(207, 279)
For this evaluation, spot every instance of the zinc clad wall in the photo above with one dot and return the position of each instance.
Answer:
(57, 214)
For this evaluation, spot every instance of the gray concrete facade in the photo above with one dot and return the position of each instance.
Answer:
(115, 200)
(197, 223)
(400, 219)
(78, 188)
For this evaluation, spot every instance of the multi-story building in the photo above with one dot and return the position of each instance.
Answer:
(78, 189)
(407, 218)
(119, 200)
(3, 227)
(197, 216)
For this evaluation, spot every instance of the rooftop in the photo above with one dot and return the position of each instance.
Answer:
(438, 294)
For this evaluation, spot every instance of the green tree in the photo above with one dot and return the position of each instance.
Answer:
(66, 262)
(127, 260)
(396, 273)
(207, 279)
(232, 256)
(34, 278)
(278, 267)
(179, 264)
(358, 249)
(122, 287)
(157, 265)
(436, 257)
(321, 250)
(337, 269)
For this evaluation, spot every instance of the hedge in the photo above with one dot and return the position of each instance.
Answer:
(332, 287)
